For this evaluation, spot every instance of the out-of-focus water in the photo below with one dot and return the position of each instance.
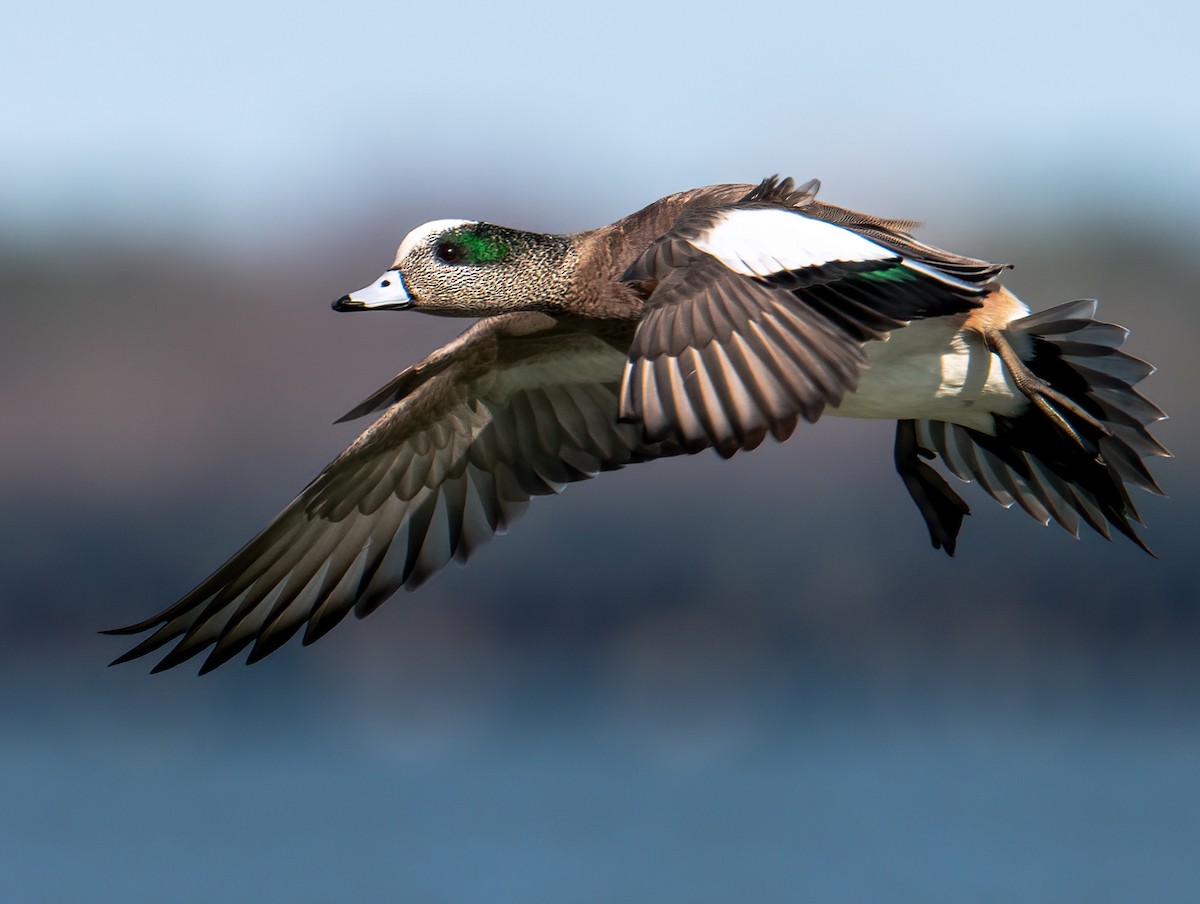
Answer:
(808, 786)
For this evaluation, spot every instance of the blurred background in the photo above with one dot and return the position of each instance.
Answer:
(766, 686)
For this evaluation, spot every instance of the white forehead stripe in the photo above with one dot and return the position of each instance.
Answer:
(762, 242)
(421, 233)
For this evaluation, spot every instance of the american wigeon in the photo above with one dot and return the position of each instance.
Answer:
(709, 319)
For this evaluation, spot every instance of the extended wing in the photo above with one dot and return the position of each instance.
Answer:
(517, 407)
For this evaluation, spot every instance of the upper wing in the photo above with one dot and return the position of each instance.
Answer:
(757, 312)
(517, 407)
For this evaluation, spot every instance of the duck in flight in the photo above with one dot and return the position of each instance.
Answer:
(710, 319)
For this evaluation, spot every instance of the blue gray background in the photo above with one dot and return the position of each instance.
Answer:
(693, 681)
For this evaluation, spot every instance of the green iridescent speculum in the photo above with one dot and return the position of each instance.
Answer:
(481, 249)
(893, 273)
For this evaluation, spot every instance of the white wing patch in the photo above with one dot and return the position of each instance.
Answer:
(766, 241)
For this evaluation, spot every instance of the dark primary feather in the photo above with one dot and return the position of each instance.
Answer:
(942, 508)
(518, 407)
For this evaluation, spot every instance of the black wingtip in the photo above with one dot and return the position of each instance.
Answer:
(128, 629)
(270, 639)
(169, 661)
(1137, 540)
(949, 547)
(942, 509)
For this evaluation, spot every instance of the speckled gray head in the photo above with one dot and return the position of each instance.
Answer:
(463, 267)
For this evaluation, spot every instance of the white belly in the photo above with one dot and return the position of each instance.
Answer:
(931, 369)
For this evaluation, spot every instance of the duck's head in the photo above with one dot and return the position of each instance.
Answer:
(465, 268)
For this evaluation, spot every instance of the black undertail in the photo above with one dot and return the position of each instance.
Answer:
(1071, 476)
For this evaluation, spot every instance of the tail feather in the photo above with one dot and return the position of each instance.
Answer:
(1032, 461)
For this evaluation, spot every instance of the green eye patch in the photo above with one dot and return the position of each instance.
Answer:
(480, 245)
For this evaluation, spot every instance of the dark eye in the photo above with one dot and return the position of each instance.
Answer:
(449, 252)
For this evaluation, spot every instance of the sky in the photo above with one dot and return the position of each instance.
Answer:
(241, 121)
